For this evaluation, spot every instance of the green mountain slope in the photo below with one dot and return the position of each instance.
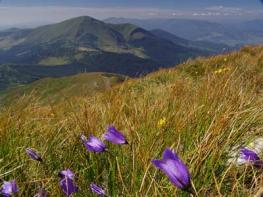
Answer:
(205, 109)
(84, 43)
(82, 32)
(59, 89)
(85, 36)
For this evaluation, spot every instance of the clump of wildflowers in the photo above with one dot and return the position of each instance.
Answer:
(221, 70)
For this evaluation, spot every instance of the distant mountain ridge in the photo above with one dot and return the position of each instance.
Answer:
(202, 45)
(234, 34)
(89, 45)
(79, 38)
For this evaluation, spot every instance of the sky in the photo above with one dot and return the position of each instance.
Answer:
(38, 12)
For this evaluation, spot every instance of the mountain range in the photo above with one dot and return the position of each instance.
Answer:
(201, 45)
(120, 46)
(85, 40)
(232, 34)
(84, 44)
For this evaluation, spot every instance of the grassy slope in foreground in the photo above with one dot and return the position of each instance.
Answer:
(211, 105)
(58, 89)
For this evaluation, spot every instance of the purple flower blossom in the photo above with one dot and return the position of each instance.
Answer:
(248, 155)
(93, 144)
(68, 186)
(174, 168)
(67, 182)
(41, 193)
(9, 188)
(33, 154)
(98, 190)
(115, 136)
(67, 174)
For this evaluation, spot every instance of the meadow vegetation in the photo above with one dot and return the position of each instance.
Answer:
(206, 106)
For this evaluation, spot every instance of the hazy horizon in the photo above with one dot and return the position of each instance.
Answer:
(22, 13)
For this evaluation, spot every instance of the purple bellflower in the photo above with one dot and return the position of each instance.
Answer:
(68, 186)
(67, 173)
(248, 155)
(33, 154)
(67, 182)
(175, 169)
(115, 136)
(9, 188)
(98, 190)
(93, 144)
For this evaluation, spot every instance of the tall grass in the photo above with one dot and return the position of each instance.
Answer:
(207, 112)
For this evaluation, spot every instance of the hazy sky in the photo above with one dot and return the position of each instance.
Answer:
(36, 12)
(136, 3)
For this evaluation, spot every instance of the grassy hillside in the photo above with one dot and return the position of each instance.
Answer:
(59, 89)
(210, 106)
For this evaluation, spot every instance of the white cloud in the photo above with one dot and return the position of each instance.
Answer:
(227, 11)
(178, 13)
(221, 11)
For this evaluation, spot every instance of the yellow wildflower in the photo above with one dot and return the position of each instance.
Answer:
(221, 70)
(218, 71)
(162, 122)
